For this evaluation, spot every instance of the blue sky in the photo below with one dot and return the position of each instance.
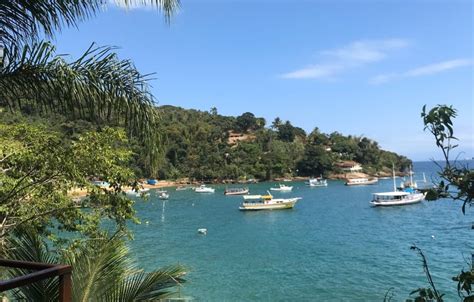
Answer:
(357, 67)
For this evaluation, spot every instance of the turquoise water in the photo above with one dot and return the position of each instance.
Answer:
(331, 247)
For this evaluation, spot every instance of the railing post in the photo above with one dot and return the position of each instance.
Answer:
(65, 290)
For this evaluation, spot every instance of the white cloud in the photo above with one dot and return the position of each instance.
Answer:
(356, 54)
(423, 70)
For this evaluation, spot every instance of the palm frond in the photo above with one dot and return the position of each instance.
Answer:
(29, 247)
(23, 21)
(142, 286)
(98, 86)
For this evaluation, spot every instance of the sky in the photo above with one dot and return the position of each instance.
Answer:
(356, 67)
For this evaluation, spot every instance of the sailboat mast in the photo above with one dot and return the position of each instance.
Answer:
(411, 175)
(394, 182)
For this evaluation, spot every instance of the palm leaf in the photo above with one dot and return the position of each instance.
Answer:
(22, 21)
(29, 247)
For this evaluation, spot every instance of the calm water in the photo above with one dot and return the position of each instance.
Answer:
(331, 247)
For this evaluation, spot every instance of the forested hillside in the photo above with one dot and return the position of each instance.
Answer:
(208, 146)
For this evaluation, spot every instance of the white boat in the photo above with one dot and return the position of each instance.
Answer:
(137, 193)
(361, 181)
(257, 197)
(397, 198)
(204, 189)
(164, 196)
(282, 188)
(317, 182)
(183, 188)
(236, 191)
(267, 202)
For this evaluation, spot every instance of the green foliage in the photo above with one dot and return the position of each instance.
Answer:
(456, 182)
(38, 166)
(102, 271)
(196, 146)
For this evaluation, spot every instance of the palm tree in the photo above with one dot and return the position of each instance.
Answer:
(102, 271)
(97, 86)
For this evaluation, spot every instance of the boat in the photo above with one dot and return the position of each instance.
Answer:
(397, 198)
(257, 197)
(236, 191)
(317, 182)
(137, 193)
(151, 181)
(267, 202)
(164, 196)
(282, 188)
(361, 181)
(183, 188)
(204, 189)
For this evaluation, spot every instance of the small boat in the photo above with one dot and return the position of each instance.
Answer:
(164, 196)
(183, 188)
(267, 202)
(361, 181)
(204, 189)
(202, 231)
(236, 191)
(282, 188)
(151, 181)
(137, 193)
(159, 191)
(287, 180)
(317, 182)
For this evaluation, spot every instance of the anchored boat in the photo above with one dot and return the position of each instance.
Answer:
(204, 189)
(361, 181)
(282, 188)
(267, 202)
(236, 191)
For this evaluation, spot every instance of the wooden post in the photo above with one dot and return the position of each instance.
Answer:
(65, 290)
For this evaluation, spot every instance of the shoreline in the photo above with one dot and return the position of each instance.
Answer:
(78, 193)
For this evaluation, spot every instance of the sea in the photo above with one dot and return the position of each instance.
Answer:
(333, 246)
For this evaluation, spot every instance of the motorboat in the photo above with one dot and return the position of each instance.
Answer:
(317, 182)
(204, 189)
(164, 196)
(267, 202)
(282, 188)
(236, 191)
(361, 181)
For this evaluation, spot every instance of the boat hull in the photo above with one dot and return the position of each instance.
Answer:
(415, 199)
(243, 192)
(283, 205)
(369, 182)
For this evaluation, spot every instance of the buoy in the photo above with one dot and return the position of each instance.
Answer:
(147, 222)
(202, 231)
(432, 237)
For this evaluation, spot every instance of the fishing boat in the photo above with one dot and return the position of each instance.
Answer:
(317, 182)
(361, 181)
(282, 188)
(236, 191)
(397, 198)
(204, 189)
(267, 202)
(164, 196)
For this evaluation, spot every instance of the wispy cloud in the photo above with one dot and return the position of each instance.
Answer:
(356, 54)
(423, 70)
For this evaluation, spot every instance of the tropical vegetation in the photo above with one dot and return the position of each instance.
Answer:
(39, 164)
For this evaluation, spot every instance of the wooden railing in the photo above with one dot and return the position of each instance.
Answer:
(42, 271)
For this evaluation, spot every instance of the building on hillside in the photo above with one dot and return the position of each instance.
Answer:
(236, 137)
(349, 166)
